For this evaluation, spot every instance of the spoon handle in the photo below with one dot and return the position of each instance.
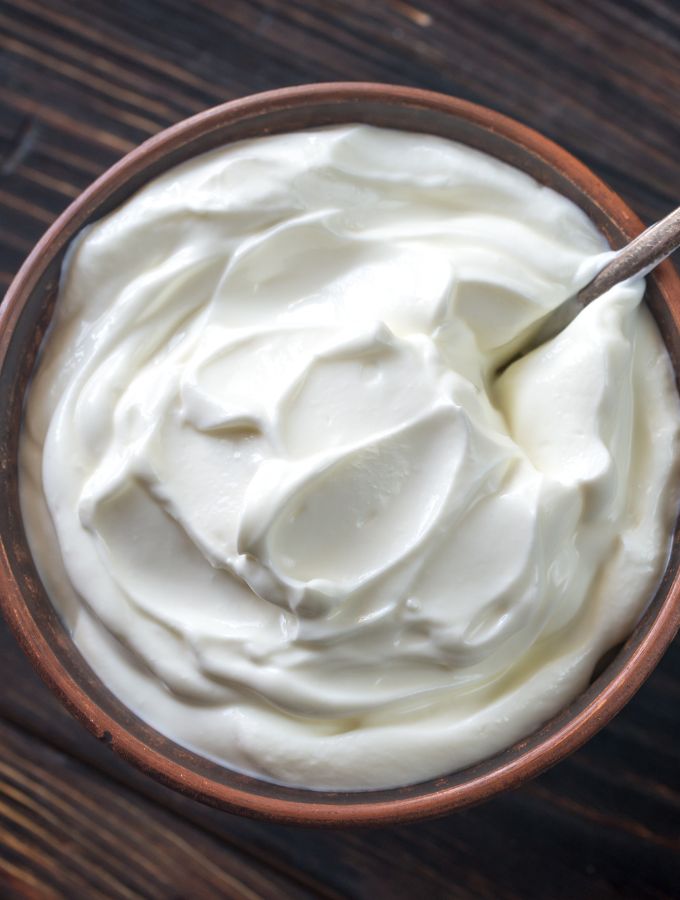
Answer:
(637, 258)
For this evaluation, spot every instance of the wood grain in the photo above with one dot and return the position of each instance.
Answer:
(84, 82)
(125, 847)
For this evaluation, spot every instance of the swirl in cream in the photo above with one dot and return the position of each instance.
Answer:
(275, 488)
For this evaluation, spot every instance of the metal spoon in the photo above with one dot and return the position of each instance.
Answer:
(636, 258)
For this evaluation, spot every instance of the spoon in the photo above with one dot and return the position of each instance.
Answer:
(636, 258)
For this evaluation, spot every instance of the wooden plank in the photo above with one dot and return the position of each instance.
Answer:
(608, 816)
(78, 834)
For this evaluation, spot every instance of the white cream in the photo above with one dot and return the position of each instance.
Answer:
(273, 486)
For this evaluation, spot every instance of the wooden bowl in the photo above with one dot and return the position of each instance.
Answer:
(24, 317)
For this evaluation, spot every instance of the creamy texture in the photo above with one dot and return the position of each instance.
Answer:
(276, 490)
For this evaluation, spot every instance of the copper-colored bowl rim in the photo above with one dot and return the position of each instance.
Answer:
(325, 807)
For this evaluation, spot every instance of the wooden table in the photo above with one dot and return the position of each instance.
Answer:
(82, 83)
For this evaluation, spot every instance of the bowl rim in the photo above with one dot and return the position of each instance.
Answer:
(569, 735)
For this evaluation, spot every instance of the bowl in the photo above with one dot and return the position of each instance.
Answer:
(24, 317)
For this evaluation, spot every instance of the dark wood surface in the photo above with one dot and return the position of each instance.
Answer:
(80, 84)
